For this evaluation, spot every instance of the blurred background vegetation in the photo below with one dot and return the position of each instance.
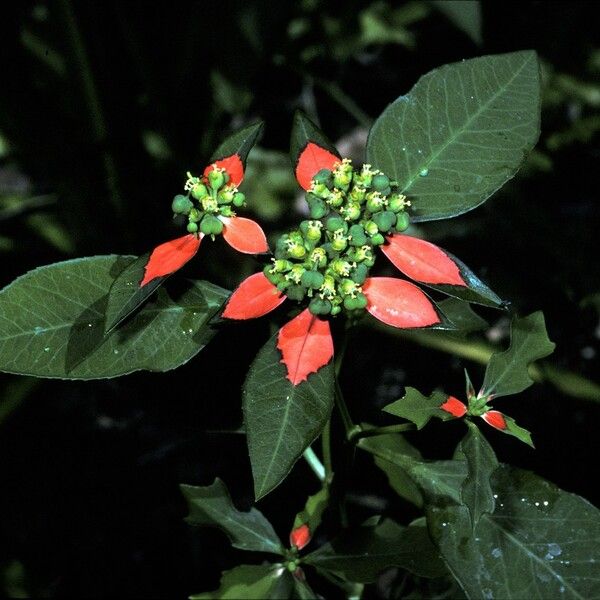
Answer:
(105, 106)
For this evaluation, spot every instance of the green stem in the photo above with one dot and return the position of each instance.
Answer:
(314, 463)
(326, 448)
(357, 435)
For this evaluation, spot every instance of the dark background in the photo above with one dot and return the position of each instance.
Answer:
(105, 106)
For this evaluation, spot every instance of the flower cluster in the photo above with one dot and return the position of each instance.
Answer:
(328, 258)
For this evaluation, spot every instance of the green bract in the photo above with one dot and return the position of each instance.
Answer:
(327, 259)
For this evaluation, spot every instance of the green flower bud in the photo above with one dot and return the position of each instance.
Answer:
(335, 198)
(226, 196)
(357, 194)
(318, 208)
(210, 225)
(359, 302)
(274, 278)
(357, 235)
(320, 190)
(296, 250)
(360, 274)
(380, 182)
(371, 228)
(319, 306)
(335, 223)
(199, 191)
(402, 221)
(339, 241)
(365, 177)
(362, 254)
(336, 310)
(347, 287)
(311, 230)
(312, 279)
(281, 266)
(318, 257)
(239, 199)
(342, 179)
(216, 178)
(296, 292)
(227, 211)
(296, 273)
(384, 220)
(195, 215)
(351, 211)
(209, 204)
(340, 267)
(192, 227)
(181, 205)
(328, 287)
(374, 202)
(283, 285)
(324, 177)
(397, 202)
(377, 240)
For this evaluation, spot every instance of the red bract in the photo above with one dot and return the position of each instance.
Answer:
(244, 235)
(300, 536)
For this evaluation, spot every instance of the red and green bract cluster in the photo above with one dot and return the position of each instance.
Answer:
(327, 259)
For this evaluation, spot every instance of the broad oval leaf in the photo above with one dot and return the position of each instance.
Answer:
(460, 133)
(52, 323)
(282, 419)
(253, 582)
(211, 506)
(541, 542)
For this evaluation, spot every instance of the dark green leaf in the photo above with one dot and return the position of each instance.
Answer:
(476, 492)
(239, 142)
(462, 316)
(313, 511)
(252, 582)
(305, 131)
(125, 294)
(460, 133)
(302, 591)
(513, 429)
(52, 323)
(212, 506)
(506, 372)
(541, 542)
(282, 419)
(360, 554)
(465, 14)
(418, 408)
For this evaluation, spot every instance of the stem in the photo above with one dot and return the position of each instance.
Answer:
(336, 93)
(340, 403)
(326, 447)
(357, 435)
(314, 463)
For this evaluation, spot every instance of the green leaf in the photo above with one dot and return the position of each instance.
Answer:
(52, 323)
(252, 582)
(282, 419)
(418, 408)
(506, 372)
(212, 506)
(125, 294)
(360, 554)
(313, 510)
(465, 14)
(541, 542)
(460, 133)
(476, 492)
(239, 142)
(519, 432)
(460, 314)
(305, 131)
(397, 477)
(302, 591)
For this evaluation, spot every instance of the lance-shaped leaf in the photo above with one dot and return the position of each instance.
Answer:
(360, 554)
(507, 372)
(429, 264)
(282, 419)
(460, 133)
(253, 582)
(306, 346)
(541, 542)
(310, 150)
(212, 506)
(309, 518)
(465, 14)
(169, 257)
(233, 151)
(476, 491)
(507, 425)
(418, 408)
(52, 323)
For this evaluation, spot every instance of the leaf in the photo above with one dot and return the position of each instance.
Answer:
(419, 409)
(282, 419)
(239, 142)
(507, 425)
(462, 316)
(52, 323)
(460, 133)
(312, 513)
(254, 297)
(436, 268)
(244, 235)
(360, 554)
(465, 14)
(476, 492)
(212, 506)
(302, 590)
(541, 542)
(506, 372)
(252, 582)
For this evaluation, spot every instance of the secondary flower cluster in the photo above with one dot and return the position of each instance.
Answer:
(328, 258)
